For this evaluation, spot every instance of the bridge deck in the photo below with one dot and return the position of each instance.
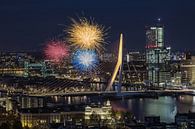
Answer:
(123, 93)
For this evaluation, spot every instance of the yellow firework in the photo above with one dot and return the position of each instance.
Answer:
(85, 34)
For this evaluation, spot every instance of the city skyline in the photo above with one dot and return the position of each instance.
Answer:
(97, 64)
(28, 25)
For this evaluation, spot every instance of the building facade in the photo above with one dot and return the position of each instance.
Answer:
(188, 71)
(134, 67)
(157, 56)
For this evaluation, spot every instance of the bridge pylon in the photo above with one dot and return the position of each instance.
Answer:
(118, 69)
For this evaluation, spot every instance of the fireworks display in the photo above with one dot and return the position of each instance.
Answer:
(86, 38)
(85, 34)
(56, 51)
(85, 60)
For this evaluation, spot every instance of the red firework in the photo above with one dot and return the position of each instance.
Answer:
(56, 51)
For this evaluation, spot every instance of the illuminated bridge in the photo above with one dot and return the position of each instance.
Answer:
(36, 86)
(53, 86)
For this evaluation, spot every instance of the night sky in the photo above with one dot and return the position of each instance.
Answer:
(27, 24)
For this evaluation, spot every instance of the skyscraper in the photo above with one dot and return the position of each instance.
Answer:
(157, 55)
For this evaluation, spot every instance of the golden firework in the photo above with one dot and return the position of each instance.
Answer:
(85, 34)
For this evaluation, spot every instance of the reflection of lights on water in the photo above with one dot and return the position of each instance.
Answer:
(181, 98)
(85, 98)
(193, 100)
(77, 99)
(118, 107)
(69, 100)
(56, 98)
(130, 105)
(174, 110)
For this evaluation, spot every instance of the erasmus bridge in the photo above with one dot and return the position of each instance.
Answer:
(113, 88)
(67, 87)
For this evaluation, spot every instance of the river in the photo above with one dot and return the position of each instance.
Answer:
(166, 107)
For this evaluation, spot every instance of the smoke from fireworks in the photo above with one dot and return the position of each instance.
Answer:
(56, 51)
(86, 34)
(85, 60)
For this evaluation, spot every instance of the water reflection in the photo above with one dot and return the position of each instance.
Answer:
(165, 107)
(186, 103)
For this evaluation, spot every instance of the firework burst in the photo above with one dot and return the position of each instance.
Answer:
(56, 51)
(85, 34)
(85, 60)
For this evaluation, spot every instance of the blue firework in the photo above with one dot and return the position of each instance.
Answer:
(85, 60)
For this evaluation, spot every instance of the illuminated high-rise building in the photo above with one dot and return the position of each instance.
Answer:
(157, 55)
(188, 70)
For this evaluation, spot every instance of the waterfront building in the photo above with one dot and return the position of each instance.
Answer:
(188, 71)
(98, 115)
(135, 56)
(103, 112)
(108, 57)
(12, 63)
(134, 67)
(176, 79)
(178, 56)
(157, 55)
(9, 104)
(35, 69)
(32, 117)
